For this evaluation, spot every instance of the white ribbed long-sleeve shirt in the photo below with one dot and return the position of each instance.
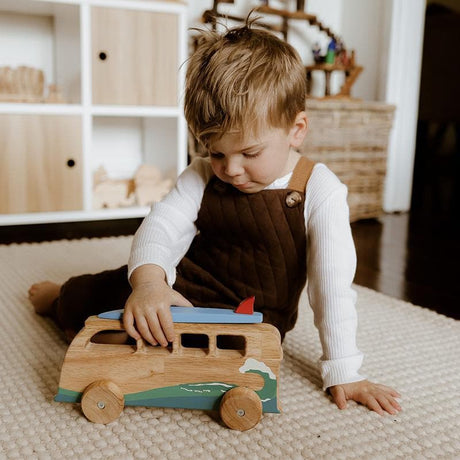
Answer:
(167, 232)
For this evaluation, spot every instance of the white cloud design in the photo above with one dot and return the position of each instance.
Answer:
(253, 364)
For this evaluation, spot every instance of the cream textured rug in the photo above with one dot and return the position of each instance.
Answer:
(407, 347)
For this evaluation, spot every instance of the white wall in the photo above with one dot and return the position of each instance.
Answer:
(403, 72)
(362, 28)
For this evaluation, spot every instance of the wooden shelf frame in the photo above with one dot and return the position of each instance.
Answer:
(89, 113)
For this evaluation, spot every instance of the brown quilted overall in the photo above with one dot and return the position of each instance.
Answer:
(249, 245)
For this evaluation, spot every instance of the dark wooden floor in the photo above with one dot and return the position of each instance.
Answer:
(415, 256)
(407, 257)
(67, 230)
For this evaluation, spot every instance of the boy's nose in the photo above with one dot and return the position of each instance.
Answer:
(233, 167)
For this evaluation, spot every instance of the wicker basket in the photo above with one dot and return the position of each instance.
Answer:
(351, 138)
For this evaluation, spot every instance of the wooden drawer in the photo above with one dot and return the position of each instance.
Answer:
(40, 163)
(134, 57)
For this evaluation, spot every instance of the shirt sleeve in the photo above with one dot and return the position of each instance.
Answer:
(167, 232)
(331, 265)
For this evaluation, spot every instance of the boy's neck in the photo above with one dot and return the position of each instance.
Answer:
(292, 160)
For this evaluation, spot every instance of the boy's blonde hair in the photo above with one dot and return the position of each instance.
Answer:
(242, 81)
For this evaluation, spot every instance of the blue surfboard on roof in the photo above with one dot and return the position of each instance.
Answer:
(199, 315)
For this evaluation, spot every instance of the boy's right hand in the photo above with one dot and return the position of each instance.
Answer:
(147, 310)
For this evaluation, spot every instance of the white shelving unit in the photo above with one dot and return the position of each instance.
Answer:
(118, 64)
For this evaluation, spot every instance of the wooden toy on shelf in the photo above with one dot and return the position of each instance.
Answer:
(147, 186)
(27, 85)
(336, 58)
(220, 360)
(351, 71)
(54, 95)
(111, 193)
(21, 84)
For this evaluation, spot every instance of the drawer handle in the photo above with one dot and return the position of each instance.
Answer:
(103, 56)
(70, 163)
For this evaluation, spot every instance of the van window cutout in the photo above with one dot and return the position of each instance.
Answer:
(195, 341)
(116, 337)
(231, 342)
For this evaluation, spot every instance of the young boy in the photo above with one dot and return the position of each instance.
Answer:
(251, 219)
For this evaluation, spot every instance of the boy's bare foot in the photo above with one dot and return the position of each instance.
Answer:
(42, 296)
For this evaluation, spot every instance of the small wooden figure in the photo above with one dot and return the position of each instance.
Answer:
(150, 186)
(317, 56)
(111, 193)
(330, 55)
(221, 360)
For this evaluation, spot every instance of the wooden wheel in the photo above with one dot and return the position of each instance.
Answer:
(241, 408)
(102, 402)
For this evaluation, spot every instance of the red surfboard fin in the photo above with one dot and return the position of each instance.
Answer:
(246, 307)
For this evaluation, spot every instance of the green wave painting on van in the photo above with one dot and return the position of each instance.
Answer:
(207, 395)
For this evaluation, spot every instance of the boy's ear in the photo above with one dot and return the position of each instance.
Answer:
(299, 130)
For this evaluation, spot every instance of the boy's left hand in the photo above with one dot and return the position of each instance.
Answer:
(376, 397)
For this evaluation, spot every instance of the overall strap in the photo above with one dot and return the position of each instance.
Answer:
(301, 174)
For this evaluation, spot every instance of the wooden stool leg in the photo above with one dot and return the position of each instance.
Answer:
(328, 82)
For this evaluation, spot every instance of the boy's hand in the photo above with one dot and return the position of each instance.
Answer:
(376, 397)
(147, 310)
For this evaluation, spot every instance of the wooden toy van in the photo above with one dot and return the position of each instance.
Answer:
(211, 365)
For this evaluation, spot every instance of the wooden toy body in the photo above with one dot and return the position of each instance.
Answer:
(183, 375)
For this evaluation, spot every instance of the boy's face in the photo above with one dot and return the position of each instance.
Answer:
(252, 163)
